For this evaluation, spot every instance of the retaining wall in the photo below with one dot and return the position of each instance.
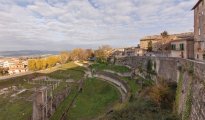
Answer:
(188, 74)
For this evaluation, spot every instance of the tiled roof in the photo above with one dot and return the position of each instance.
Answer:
(197, 4)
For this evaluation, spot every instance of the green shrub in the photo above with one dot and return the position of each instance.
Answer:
(178, 91)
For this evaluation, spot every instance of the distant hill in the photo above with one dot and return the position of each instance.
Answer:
(26, 53)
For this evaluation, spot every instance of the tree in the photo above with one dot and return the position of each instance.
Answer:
(64, 57)
(43, 63)
(103, 53)
(39, 64)
(3, 71)
(164, 34)
(162, 94)
(78, 54)
(89, 53)
(149, 49)
(149, 66)
(32, 64)
(52, 61)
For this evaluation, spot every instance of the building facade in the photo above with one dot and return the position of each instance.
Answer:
(183, 48)
(160, 43)
(144, 42)
(134, 51)
(14, 66)
(199, 30)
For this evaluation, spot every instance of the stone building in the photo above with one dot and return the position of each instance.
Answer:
(160, 43)
(134, 51)
(183, 48)
(118, 52)
(129, 51)
(145, 41)
(199, 30)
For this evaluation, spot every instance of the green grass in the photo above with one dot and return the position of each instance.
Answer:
(178, 91)
(70, 65)
(64, 105)
(97, 97)
(17, 110)
(132, 83)
(67, 74)
(141, 109)
(69, 70)
(116, 68)
(21, 109)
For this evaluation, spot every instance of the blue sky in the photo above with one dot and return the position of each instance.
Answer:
(66, 24)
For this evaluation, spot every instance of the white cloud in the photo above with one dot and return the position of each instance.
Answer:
(65, 24)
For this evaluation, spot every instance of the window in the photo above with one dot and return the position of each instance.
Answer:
(203, 56)
(197, 56)
(181, 46)
(199, 31)
(204, 28)
(173, 47)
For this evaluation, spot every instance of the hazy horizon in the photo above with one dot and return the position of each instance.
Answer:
(57, 25)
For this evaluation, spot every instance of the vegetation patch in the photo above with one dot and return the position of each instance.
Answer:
(178, 91)
(16, 110)
(132, 83)
(97, 97)
(145, 107)
(64, 105)
(188, 103)
(19, 108)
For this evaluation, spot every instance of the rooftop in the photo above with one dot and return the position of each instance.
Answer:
(179, 40)
(159, 37)
(197, 4)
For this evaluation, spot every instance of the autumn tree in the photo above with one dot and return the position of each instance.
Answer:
(32, 64)
(43, 63)
(64, 57)
(103, 53)
(89, 53)
(78, 54)
(162, 94)
(52, 60)
(39, 64)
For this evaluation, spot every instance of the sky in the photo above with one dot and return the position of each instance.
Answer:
(67, 24)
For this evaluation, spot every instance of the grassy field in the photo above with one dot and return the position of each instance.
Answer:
(116, 68)
(16, 110)
(97, 96)
(19, 108)
(65, 104)
(132, 84)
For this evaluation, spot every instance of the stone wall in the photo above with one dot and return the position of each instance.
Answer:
(45, 105)
(188, 74)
